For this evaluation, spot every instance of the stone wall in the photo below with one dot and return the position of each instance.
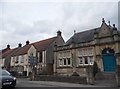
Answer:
(81, 71)
(65, 71)
(69, 71)
(70, 79)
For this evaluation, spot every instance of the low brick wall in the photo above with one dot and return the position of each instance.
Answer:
(70, 79)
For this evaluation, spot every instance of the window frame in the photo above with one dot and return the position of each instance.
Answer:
(60, 62)
(68, 62)
(22, 59)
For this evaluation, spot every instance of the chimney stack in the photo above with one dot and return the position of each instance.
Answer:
(59, 33)
(114, 28)
(19, 45)
(103, 20)
(27, 42)
(8, 46)
(109, 23)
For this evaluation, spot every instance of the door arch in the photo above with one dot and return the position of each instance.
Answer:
(109, 60)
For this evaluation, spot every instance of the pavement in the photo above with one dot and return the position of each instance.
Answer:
(107, 83)
(101, 83)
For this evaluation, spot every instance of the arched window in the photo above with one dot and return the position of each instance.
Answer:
(108, 50)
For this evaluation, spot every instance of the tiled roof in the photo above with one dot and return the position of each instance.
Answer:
(40, 46)
(43, 44)
(5, 54)
(3, 51)
(21, 50)
(15, 51)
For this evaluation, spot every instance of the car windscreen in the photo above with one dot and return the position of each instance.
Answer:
(4, 73)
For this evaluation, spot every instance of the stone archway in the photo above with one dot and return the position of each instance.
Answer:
(109, 60)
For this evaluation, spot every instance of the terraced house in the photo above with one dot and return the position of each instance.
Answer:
(100, 45)
(22, 58)
(3, 55)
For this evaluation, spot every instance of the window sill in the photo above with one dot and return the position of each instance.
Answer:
(64, 67)
(82, 66)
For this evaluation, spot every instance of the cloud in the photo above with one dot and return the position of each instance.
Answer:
(39, 20)
(84, 16)
(60, 0)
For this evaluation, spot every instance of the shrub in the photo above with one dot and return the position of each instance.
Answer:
(95, 69)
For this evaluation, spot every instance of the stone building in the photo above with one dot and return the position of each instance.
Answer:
(38, 54)
(100, 45)
(3, 55)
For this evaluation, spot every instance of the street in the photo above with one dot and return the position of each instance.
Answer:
(25, 83)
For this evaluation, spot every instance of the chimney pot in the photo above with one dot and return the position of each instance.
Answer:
(114, 25)
(19, 45)
(59, 33)
(114, 28)
(109, 23)
(27, 42)
(103, 20)
(8, 46)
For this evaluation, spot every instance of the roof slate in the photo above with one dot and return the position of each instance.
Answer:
(82, 37)
(86, 36)
(22, 50)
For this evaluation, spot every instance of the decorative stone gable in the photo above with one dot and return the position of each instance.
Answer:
(105, 30)
(32, 50)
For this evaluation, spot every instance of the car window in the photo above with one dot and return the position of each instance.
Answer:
(4, 73)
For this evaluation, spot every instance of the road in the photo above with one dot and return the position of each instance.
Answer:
(25, 83)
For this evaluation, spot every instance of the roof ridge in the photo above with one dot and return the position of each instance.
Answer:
(44, 40)
(82, 36)
(87, 30)
(9, 52)
(26, 47)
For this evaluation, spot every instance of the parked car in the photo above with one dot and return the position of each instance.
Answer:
(7, 80)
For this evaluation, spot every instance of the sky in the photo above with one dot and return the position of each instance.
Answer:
(35, 20)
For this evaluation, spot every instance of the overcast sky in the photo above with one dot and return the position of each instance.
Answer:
(35, 20)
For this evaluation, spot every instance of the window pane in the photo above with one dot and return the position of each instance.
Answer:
(81, 60)
(91, 60)
(40, 58)
(64, 61)
(68, 61)
(86, 61)
(60, 62)
(17, 59)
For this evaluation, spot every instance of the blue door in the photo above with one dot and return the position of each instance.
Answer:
(109, 62)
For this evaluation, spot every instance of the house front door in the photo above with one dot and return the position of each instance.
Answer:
(109, 62)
